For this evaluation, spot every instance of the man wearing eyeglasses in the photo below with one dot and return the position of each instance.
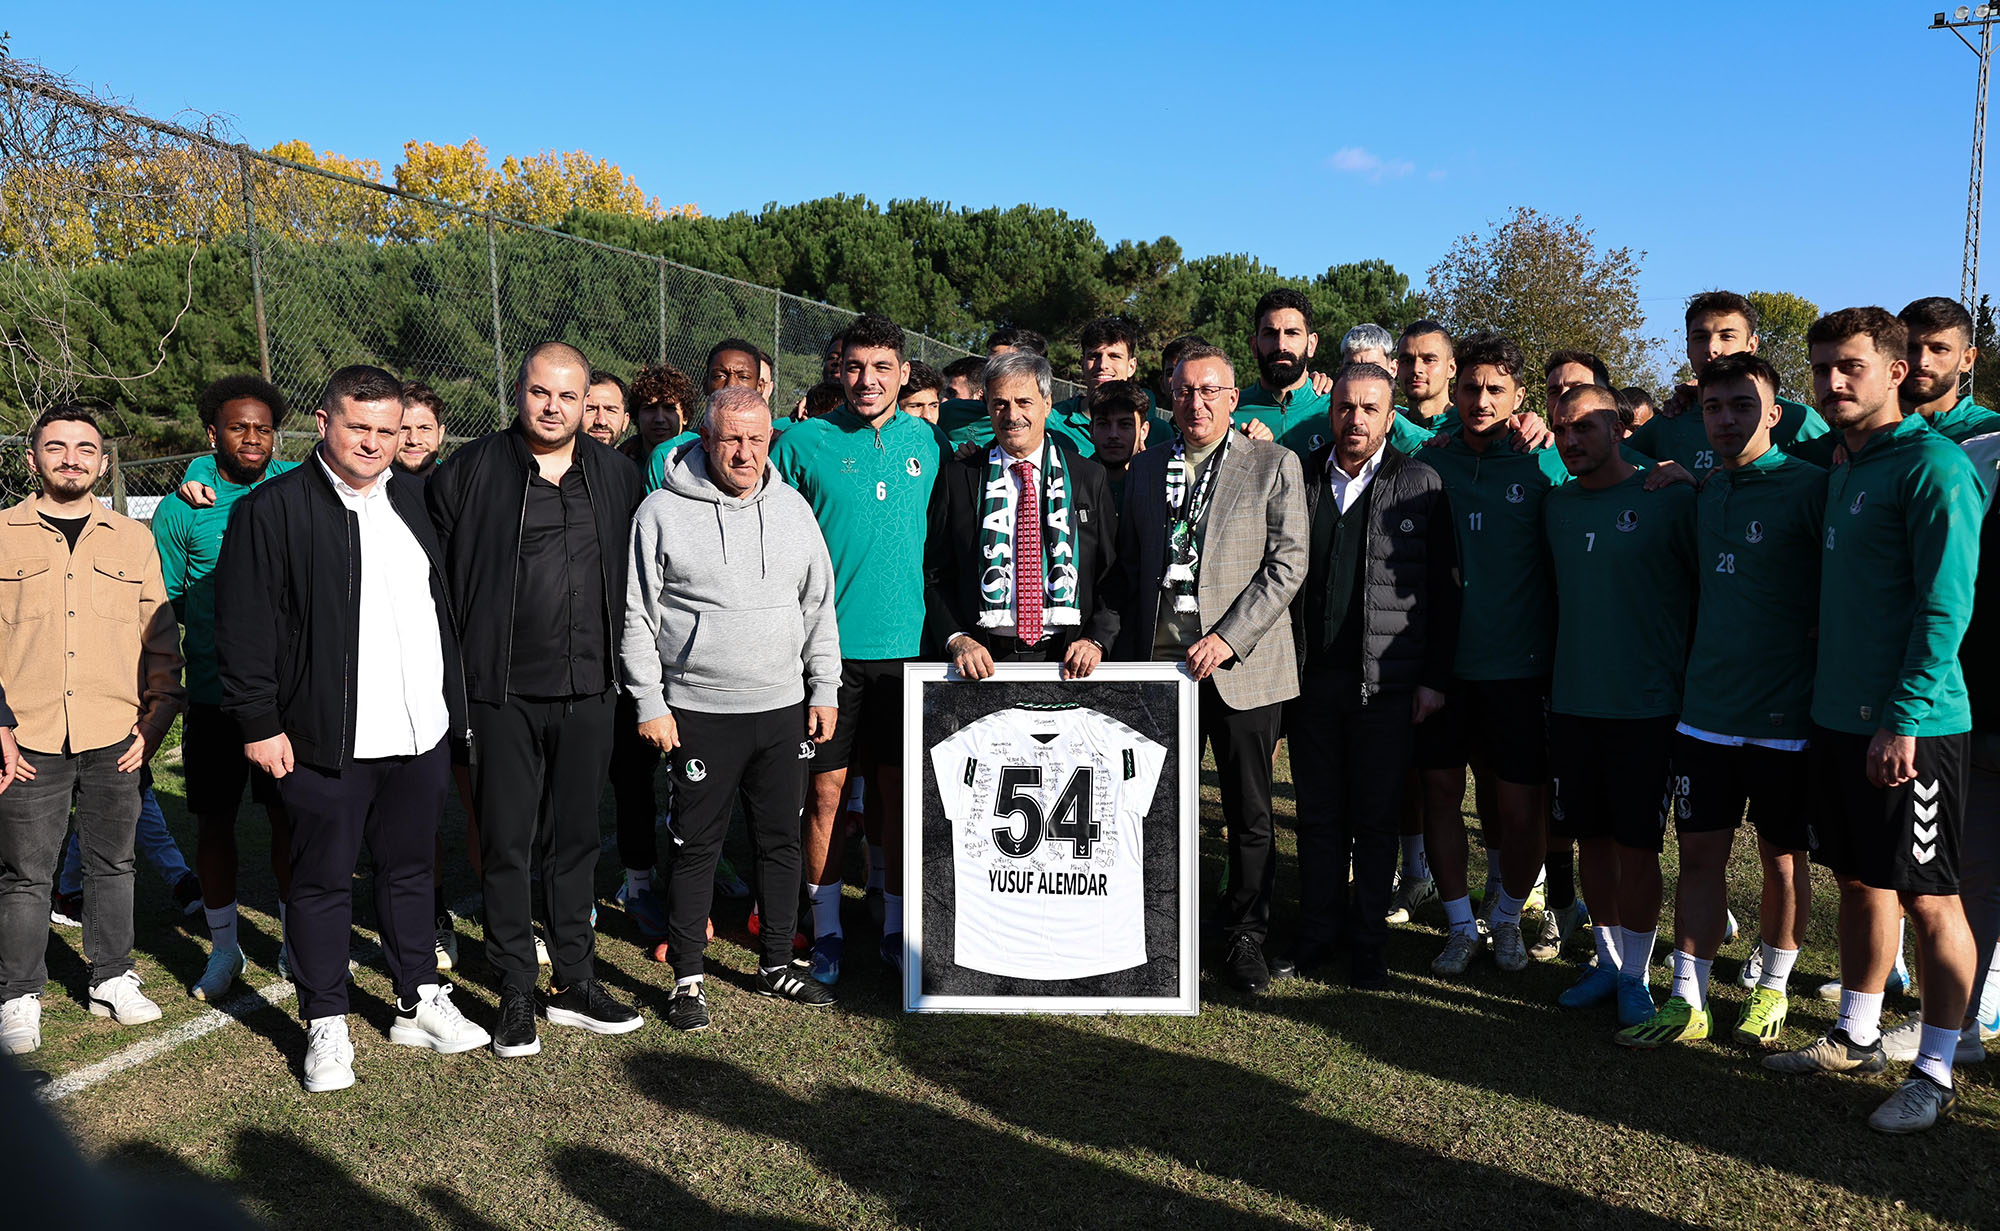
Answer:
(1211, 551)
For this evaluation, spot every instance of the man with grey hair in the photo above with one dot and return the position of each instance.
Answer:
(732, 654)
(1022, 538)
(1369, 343)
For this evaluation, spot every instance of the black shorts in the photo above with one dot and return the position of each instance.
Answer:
(1711, 783)
(870, 729)
(1499, 725)
(1610, 778)
(1901, 838)
(214, 767)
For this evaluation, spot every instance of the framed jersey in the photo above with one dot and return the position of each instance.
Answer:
(1050, 852)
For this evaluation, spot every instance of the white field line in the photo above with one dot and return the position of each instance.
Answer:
(235, 1009)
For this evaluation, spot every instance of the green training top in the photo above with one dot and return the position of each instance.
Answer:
(1624, 565)
(1958, 425)
(1684, 438)
(964, 421)
(1507, 626)
(190, 542)
(1303, 424)
(1899, 552)
(1446, 422)
(1751, 670)
(871, 491)
(1069, 418)
(656, 465)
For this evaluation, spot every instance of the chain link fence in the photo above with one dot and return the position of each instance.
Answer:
(320, 269)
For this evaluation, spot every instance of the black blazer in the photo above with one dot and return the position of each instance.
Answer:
(288, 613)
(953, 565)
(477, 498)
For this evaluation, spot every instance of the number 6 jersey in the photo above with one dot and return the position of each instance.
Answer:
(1048, 810)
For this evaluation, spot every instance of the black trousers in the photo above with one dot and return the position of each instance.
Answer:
(633, 761)
(1348, 762)
(1050, 649)
(765, 758)
(529, 753)
(1244, 742)
(392, 804)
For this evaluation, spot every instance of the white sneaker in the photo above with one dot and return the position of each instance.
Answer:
(541, 950)
(21, 1025)
(447, 943)
(121, 1000)
(1510, 952)
(1409, 896)
(1729, 927)
(1901, 1042)
(1916, 1105)
(329, 1055)
(436, 1023)
(1459, 949)
(225, 966)
(1752, 969)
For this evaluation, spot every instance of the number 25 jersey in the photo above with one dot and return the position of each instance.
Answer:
(1048, 810)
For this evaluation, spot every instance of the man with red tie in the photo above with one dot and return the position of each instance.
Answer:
(1021, 539)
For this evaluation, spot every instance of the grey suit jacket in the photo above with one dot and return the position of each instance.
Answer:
(1253, 560)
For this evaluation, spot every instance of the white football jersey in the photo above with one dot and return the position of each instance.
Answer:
(1048, 811)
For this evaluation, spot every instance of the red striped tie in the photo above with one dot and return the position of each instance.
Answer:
(1027, 558)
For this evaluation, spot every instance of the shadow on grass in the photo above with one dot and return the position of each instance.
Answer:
(1715, 1098)
(632, 1194)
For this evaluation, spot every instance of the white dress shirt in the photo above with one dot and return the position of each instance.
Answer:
(399, 706)
(1347, 490)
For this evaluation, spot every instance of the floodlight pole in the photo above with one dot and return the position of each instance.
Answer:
(1983, 16)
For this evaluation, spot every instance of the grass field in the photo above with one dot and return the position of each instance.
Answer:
(1431, 1104)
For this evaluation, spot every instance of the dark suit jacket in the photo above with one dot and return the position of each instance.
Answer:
(1253, 560)
(953, 564)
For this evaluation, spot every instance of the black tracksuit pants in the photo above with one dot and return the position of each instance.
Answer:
(1348, 763)
(392, 804)
(528, 752)
(1244, 742)
(633, 761)
(765, 758)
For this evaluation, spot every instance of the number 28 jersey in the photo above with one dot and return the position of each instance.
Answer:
(1048, 811)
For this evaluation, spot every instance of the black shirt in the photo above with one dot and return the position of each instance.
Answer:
(561, 644)
(71, 527)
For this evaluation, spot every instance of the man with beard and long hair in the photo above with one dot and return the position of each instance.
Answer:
(241, 415)
(534, 523)
(1891, 718)
(1283, 343)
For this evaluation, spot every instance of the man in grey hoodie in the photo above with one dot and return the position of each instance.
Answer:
(730, 607)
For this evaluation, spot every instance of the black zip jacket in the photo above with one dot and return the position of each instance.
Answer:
(288, 613)
(1408, 576)
(478, 497)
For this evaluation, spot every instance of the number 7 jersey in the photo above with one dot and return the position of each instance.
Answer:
(1047, 811)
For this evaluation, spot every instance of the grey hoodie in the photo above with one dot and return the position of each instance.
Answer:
(730, 600)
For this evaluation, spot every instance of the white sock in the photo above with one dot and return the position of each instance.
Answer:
(1458, 915)
(1935, 1052)
(1635, 954)
(1415, 866)
(1902, 963)
(222, 926)
(638, 881)
(1606, 938)
(1778, 965)
(1861, 1016)
(1506, 908)
(689, 981)
(878, 866)
(826, 909)
(1691, 978)
(769, 970)
(892, 913)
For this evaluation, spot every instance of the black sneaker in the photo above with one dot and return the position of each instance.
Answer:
(514, 1034)
(585, 1003)
(786, 984)
(187, 894)
(1245, 966)
(688, 1010)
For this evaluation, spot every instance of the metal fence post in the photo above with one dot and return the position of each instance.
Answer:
(499, 360)
(256, 266)
(663, 310)
(777, 333)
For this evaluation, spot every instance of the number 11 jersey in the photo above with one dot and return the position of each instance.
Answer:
(1048, 811)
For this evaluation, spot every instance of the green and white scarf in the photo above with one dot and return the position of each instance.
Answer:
(996, 542)
(1184, 514)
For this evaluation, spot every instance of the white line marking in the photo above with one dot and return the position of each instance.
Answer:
(235, 1009)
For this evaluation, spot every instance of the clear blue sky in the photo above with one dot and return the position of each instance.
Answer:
(1820, 149)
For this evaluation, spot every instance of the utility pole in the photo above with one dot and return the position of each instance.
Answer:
(1983, 16)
